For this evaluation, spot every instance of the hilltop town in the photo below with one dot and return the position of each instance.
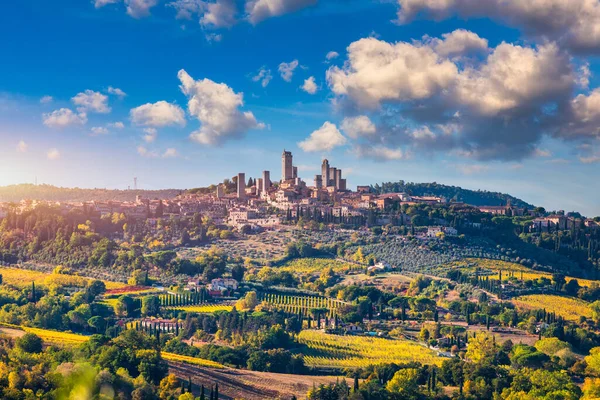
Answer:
(263, 203)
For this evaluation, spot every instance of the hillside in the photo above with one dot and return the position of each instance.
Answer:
(474, 197)
(53, 193)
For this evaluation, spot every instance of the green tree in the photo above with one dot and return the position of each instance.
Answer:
(482, 348)
(30, 343)
(151, 366)
(125, 306)
(404, 383)
(150, 306)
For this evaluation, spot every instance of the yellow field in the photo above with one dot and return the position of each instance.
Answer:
(316, 265)
(57, 338)
(202, 308)
(24, 277)
(568, 308)
(132, 292)
(518, 270)
(335, 351)
(191, 360)
(110, 302)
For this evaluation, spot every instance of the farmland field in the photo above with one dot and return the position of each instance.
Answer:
(129, 290)
(57, 338)
(296, 304)
(518, 271)
(24, 277)
(191, 360)
(250, 385)
(335, 351)
(569, 308)
(316, 265)
(203, 308)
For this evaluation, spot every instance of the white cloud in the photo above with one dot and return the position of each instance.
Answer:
(158, 114)
(585, 74)
(220, 14)
(213, 37)
(378, 71)
(575, 23)
(378, 153)
(142, 151)
(186, 8)
(259, 10)
(99, 130)
(116, 125)
(503, 103)
(324, 139)
(53, 154)
(458, 43)
(150, 135)
(46, 99)
(90, 101)
(587, 108)
(286, 70)
(515, 76)
(470, 169)
(590, 159)
(102, 3)
(263, 76)
(356, 127)
(116, 91)
(422, 133)
(310, 86)
(217, 107)
(331, 55)
(170, 153)
(139, 8)
(583, 119)
(63, 118)
(22, 146)
(542, 152)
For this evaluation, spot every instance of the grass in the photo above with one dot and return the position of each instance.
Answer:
(568, 308)
(191, 360)
(202, 308)
(334, 351)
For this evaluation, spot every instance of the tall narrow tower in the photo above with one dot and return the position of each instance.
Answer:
(325, 173)
(134, 183)
(287, 169)
(241, 186)
(266, 180)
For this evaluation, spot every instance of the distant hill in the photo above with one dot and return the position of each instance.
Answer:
(473, 197)
(20, 192)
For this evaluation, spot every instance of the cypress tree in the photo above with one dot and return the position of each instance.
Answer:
(202, 396)
(217, 391)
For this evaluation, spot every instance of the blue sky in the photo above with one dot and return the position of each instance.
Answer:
(497, 103)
